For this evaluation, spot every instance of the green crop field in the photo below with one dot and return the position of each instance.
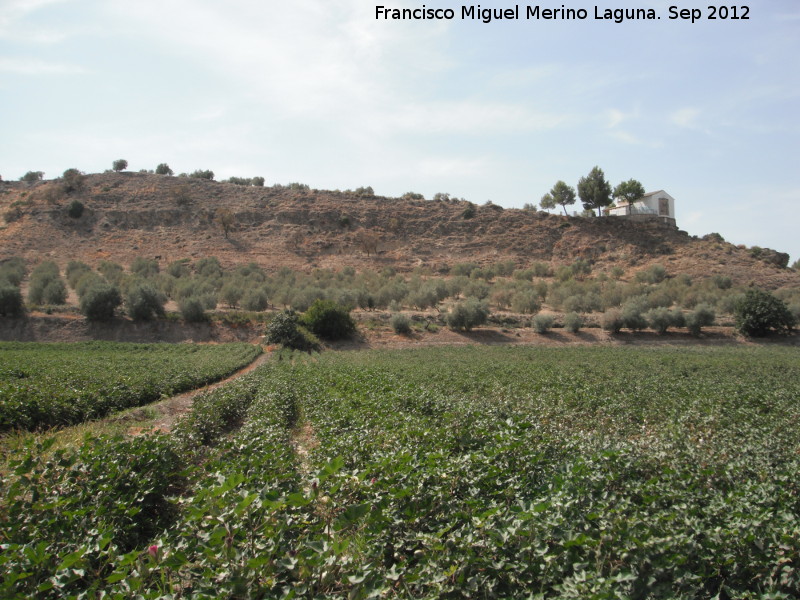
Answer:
(438, 473)
(45, 385)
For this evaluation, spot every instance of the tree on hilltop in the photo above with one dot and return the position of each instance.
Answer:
(629, 191)
(560, 194)
(594, 190)
(119, 165)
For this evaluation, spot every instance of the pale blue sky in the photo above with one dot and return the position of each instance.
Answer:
(319, 91)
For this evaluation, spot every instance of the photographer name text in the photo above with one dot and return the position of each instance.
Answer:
(540, 13)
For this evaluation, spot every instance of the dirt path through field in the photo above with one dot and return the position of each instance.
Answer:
(173, 408)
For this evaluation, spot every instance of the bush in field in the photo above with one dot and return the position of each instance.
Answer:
(612, 321)
(655, 274)
(10, 300)
(401, 324)
(632, 316)
(702, 316)
(144, 267)
(660, 319)
(468, 314)
(13, 271)
(542, 323)
(143, 302)
(255, 300)
(163, 169)
(573, 322)
(231, 293)
(193, 309)
(329, 320)
(74, 271)
(285, 329)
(46, 285)
(99, 302)
(526, 302)
(111, 271)
(75, 209)
(759, 312)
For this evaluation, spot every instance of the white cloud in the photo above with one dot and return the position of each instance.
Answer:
(685, 117)
(34, 66)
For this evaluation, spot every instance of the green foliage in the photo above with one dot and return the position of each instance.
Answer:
(255, 300)
(654, 274)
(427, 499)
(467, 314)
(561, 194)
(469, 212)
(100, 301)
(612, 321)
(10, 300)
(13, 270)
(144, 267)
(413, 196)
(75, 209)
(112, 271)
(660, 319)
(329, 320)
(632, 314)
(46, 385)
(202, 174)
(74, 271)
(629, 191)
(542, 323)
(143, 302)
(257, 181)
(32, 176)
(702, 316)
(193, 309)
(401, 324)
(594, 191)
(573, 322)
(72, 181)
(119, 165)
(759, 312)
(163, 169)
(526, 302)
(285, 329)
(46, 285)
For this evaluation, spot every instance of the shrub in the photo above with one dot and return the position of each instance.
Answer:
(632, 317)
(573, 322)
(401, 324)
(329, 320)
(526, 302)
(75, 209)
(702, 316)
(258, 181)
(10, 300)
(255, 300)
(542, 323)
(660, 319)
(119, 165)
(32, 176)
(74, 271)
(202, 174)
(285, 329)
(469, 212)
(46, 285)
(468, 314)
(759, 312)
(144, 267)
(163, 169)
(231, 293)
(612, 321)
(99, 302)
(72, 180)
(192, 310)
(13, 270)
(655, 274)
(144, 303)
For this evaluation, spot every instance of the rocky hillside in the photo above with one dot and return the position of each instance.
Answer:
(119, 216)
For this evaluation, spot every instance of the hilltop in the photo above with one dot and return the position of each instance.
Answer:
(127, 215)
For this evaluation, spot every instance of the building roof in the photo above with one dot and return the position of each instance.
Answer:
(654, 193)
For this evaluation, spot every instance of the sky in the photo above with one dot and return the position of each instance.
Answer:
(324, 93)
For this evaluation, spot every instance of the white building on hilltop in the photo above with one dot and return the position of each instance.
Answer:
(653, 205)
